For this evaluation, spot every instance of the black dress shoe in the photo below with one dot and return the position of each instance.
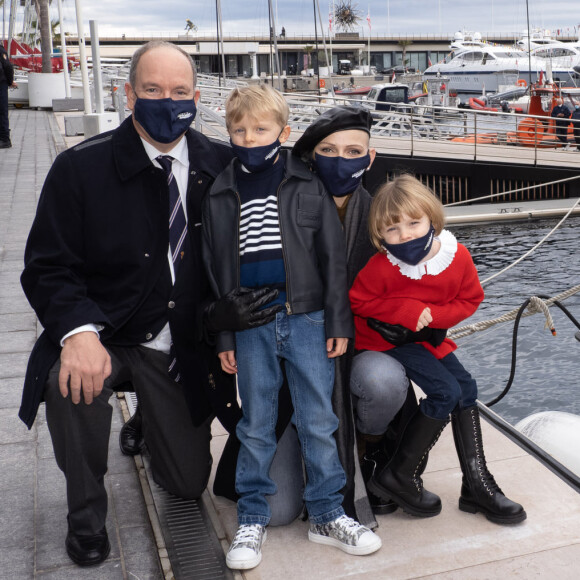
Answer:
(131, 437)
(88, 550)
(5, 144)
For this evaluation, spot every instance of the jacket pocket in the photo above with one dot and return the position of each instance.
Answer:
(309, 210)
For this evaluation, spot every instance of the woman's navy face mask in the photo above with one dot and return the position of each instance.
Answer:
(340, 175)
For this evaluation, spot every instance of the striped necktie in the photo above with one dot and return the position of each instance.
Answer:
(177, 221)
(177, 233)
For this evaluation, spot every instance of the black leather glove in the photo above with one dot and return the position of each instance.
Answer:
(238, 310)
(399, 335)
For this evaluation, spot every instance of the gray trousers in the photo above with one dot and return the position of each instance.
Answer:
(180, 453)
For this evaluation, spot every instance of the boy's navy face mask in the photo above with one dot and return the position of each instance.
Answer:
(340, 175)
(413, 251)
(165, 120)
(256, 159)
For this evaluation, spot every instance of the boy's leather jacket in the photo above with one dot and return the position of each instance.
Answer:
(312, 245)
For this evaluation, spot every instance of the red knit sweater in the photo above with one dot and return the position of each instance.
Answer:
(381, 291)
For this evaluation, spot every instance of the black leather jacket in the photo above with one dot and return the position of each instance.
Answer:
(312, 244)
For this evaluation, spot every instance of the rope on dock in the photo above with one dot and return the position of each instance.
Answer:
(534, 248)
(536, 305)
(529, 187)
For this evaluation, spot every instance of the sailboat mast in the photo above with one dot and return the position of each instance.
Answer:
(220, 42)
(330, 32)
(11, 24)
(316, 43)
(67, 90)
(529, 46)
(329, 69)
(276, 55)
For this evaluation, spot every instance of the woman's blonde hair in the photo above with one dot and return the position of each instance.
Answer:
(256, 100)
(403, 195)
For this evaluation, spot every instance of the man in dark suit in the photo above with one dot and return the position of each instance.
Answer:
(118, 305)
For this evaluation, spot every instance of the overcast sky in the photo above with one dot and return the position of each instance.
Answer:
(168, 17)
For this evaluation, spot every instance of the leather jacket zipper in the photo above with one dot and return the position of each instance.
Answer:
(238, 238)
(287, 270)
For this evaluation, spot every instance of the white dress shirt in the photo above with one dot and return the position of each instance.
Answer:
(180, 170)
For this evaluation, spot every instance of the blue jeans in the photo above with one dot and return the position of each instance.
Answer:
(379, 386)
(445, 381)
(298, 340)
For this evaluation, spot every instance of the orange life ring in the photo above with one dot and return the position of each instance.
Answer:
(522, 83)
(321, 83)
(530, 132)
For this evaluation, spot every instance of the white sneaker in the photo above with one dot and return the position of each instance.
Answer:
(347, 535)
(246, 549)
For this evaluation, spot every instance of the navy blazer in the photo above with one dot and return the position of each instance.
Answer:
(98, 245)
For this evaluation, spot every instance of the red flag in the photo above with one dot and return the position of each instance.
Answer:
(329, 19)
(393, 77)
(369, 18)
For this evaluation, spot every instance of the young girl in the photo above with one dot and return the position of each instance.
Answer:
(419, 284)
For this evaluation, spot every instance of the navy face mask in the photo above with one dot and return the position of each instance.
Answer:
(256, 159)
(165, 120)
(341, 176)
(413, 251)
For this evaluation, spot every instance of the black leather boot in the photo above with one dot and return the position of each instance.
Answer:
(479, 491)
(373, 458)
(131, 435)
(399, 480)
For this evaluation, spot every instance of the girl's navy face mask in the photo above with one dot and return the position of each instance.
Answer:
(413, 251)
(165, 120)
(340, 175)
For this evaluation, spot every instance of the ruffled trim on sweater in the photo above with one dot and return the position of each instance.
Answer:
(435, 265)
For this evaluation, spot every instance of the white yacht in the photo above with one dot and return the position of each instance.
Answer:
(486, 68)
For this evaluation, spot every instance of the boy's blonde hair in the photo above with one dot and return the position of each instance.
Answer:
(256, 100)
(404, 195)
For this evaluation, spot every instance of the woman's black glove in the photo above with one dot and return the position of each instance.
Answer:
(399, 335)
(238, 310)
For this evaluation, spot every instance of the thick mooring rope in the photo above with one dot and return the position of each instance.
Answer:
(536, 305)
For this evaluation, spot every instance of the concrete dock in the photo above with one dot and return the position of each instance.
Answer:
(454, 545)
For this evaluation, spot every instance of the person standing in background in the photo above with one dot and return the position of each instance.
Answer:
(6, 80)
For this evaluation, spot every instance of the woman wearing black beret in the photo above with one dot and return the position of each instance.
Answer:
(337, 147)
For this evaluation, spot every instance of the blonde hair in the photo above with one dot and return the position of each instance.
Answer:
(256, 100)
(404, 195)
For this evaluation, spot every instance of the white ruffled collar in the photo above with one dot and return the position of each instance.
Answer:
(435, 265)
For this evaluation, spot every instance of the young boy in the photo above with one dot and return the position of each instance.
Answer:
(268, 221)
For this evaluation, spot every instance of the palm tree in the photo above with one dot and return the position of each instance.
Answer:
(308, 51)
(45, 32)
(404, 44)
(346, 15)
(189, 26)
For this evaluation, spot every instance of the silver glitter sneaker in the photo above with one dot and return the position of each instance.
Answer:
(246, 549)
(347, 535)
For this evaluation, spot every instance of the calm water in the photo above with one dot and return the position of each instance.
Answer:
(548, 368)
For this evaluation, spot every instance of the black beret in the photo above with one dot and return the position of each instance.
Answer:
(331, 121)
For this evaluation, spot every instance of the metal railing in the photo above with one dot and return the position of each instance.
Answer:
(421, 130)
